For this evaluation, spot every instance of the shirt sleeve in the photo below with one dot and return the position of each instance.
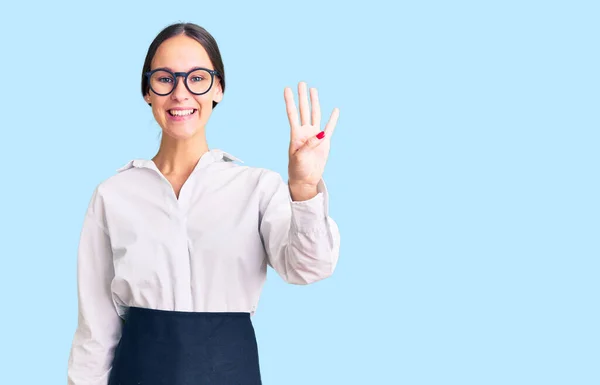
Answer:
(99, 325)
(301, 240)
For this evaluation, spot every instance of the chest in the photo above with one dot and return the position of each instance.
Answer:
(176, 183)
(212, 230)
(210, 213)
(206, 212)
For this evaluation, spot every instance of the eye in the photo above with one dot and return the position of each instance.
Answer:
(165, 79)
(197, 78)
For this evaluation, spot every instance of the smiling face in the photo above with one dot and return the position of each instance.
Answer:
(182, 114)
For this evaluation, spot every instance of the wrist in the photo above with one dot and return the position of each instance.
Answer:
(302, 191)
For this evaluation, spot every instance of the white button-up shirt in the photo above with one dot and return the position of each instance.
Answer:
(206, 251)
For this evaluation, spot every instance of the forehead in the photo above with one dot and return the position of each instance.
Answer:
(181, 53)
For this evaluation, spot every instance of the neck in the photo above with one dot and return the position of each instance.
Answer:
(180, 156)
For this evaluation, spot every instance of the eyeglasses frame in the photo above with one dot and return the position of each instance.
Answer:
(184, 75)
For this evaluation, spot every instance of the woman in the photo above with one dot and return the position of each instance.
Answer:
(174, 250)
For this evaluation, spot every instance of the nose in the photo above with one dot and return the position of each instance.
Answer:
(180, 92)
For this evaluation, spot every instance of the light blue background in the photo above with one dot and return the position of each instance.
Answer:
(463, 176)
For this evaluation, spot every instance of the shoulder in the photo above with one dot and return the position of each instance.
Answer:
(246, 173)
(122, 180)
(248, 180)
(117, 181)
(261, 180)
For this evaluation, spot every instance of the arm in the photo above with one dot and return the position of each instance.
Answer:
(302, 242)
(99, 326)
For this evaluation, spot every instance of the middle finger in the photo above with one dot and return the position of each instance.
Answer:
(303, 101)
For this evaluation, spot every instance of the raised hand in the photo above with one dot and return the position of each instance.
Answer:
(309, 146)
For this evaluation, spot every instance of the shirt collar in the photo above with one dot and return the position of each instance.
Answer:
(214, 155)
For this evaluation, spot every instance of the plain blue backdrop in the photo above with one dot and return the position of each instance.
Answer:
(463, 176)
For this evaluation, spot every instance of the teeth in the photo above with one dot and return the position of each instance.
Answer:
(181, 112)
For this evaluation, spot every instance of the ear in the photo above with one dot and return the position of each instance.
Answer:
(147, 99)
(218, 94)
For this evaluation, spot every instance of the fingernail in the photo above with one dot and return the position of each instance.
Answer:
(321, 135)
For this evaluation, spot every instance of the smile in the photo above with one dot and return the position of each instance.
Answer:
(182, 112)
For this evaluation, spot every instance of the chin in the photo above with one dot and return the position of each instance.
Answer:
(181, 131)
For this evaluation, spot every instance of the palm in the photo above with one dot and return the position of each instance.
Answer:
(308, 155)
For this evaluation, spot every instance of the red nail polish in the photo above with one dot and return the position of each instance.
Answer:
(321, 135)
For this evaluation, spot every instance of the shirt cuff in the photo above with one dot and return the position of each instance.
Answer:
(311, 215)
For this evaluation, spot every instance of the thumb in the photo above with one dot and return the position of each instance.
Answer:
(313, 141)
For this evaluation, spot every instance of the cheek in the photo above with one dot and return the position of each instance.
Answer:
(158, 105)
(204, 100)
(156, 110)
(159, 114)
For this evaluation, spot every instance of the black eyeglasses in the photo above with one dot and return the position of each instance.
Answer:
(198, 81)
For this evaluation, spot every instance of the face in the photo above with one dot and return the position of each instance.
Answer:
(181, 54)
